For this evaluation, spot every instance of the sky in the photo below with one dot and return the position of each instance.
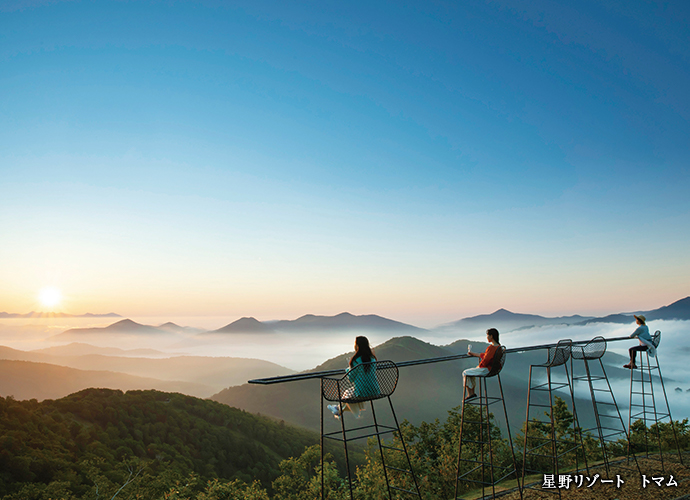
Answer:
(424, 161)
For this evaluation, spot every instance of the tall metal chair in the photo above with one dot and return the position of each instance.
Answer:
(609, 423)
(485, 459)
(645, 406)
(550, 448)
(368, 382)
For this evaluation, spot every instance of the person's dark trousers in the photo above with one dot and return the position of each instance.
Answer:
(633, 351)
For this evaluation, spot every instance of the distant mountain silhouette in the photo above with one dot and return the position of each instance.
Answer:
(34, 314)
(313, 323)
(679, 310)
(129, 326)
(245, 325)
(611, 318)
(505, 320)
(344, 322)
(172, 327)
(125, 326)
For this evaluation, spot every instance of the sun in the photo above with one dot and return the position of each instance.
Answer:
(50, 297)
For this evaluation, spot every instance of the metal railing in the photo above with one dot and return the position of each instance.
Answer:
(329, 373)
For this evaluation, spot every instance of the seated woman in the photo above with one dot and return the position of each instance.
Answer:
(485, 363)
(363, 379)
(646, 344)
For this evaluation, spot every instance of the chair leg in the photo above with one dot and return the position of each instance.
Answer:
(630, 414)
(524, 450)
(485, 469)
(657, 417)
(347, 456)
(554, 444)
(404, 448)
(673, 426)
(644, 407)
(481, 437)
(656, 414)
(620, 418)
(488, 434)
(323, 485)
(510, 437)
(462, 425)
(577, 429)
(383, 459)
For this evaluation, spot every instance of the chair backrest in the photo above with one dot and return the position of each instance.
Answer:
(498, 361)
(593, 349)
(560, 354)
(656, 338)
(364, 382)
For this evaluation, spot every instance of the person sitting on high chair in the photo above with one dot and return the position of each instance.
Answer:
(364, 380)
(646, 344)
(485, 363)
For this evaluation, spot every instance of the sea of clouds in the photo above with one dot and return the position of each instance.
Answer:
(306, 351)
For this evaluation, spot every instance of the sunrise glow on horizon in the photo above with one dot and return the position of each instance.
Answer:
(424, 163)
(50, 297)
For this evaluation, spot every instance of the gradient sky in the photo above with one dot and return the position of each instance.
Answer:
(424, 161)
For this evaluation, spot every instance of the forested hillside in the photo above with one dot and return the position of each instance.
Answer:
(148, 445)
(97, 437)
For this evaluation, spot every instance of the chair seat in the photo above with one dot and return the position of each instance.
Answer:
(498, 362)
(594, 349)
(364, 382)
(557, 355)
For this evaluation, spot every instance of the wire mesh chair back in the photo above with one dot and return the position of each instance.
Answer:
(594, 349)
(498, 362)
(656, 338)
(364, 382)
(560, 354)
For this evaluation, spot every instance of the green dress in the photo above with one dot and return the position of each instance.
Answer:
(364, 379)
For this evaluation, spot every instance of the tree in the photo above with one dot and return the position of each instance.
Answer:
(539, 447)
(301, 478)
(433, 451)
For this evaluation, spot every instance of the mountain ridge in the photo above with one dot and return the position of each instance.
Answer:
(123, 327)
(506, 320)
(344, 321)
(502, 318)
(245, 325)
